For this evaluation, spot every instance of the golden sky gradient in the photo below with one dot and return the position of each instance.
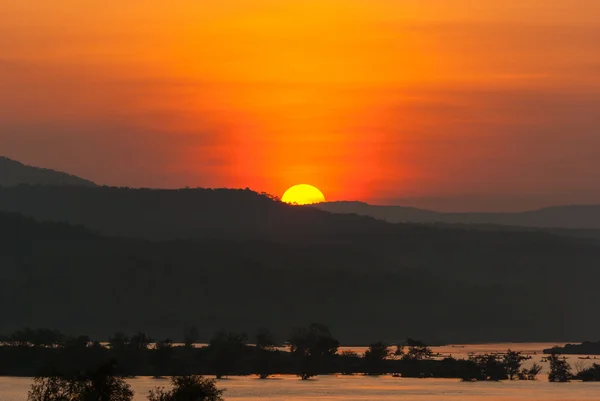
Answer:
(454, 104)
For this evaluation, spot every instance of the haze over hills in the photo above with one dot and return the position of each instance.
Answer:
(574, 217)
(214, 214)
(15, 173)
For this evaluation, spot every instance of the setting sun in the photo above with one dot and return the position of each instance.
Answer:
(303, 194)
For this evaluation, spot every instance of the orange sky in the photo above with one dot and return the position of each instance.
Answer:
(451, 104)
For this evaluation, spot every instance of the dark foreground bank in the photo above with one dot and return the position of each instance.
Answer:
(308, 352)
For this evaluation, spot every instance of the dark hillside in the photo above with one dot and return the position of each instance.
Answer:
(54, 275)
(242, 215)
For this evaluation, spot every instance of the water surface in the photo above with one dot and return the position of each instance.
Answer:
(385, 388)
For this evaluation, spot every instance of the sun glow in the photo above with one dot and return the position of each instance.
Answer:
(303, 194)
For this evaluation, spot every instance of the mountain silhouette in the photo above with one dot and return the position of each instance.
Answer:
(230, 214)
(573, 216)
(126, 259)
(15, 173)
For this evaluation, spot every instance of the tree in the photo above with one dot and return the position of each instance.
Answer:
(118, 341)
(98, 385)
(417, 350)
(225, 349)
(483, 367)
(52, 388)
(77, 353)
(103, 385)
(560, 370)
(191, 336)
(188, 388)
(491, 368)
(162, 353)
(130, 351)
(317, 341)
(77, 343)
(399, 352)
(350, 362)
(375, 357)
(512, 363)
(312, 347)
(265, 347)
(265, 340)
(412, 352)
(39, 338)
(531, 373)
(140, 341)
(469, 370)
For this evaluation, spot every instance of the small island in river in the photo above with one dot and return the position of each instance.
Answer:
(585, 348)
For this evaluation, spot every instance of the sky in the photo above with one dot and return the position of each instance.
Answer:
(453, 105)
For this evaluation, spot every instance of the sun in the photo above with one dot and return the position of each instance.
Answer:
(303, 194)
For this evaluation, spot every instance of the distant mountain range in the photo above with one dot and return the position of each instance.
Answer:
(574, 217)
(15, 173)
(159, 260)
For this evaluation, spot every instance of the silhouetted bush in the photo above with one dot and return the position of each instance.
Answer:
(590, 374)
(188, 388)
(531, 373)
(98, 385)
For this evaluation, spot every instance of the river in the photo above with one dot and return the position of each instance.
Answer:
(361, 388)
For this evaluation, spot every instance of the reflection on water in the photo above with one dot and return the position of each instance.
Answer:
(386, 388)
(359, 388)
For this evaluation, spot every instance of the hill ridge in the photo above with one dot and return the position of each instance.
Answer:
(13, 173)
(574, 216)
